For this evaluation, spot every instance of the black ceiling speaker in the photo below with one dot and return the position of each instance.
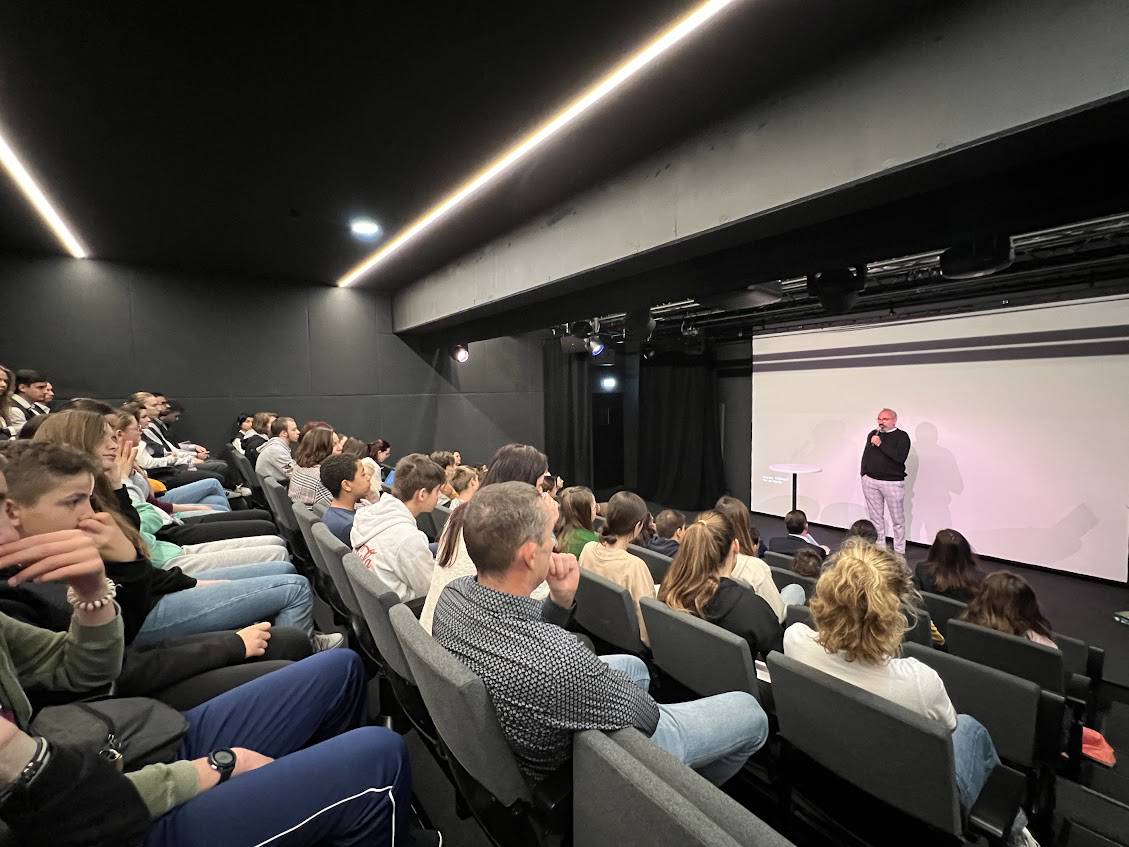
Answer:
(639, 325)
(976, 257)
(572, 344)
(837, 289)
(750, 297)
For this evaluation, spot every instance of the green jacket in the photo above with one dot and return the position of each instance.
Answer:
(152, 520)
(81, 659)
(574, 542)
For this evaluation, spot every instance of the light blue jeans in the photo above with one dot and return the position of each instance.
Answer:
(793, 595)
(246, 594)
(974, 758)
(208, 491)
(713, 735)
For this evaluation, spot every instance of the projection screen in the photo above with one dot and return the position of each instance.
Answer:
(1019, 420)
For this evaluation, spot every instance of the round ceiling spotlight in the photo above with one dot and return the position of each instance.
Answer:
(365, 229)
(596, 345)
(460, 353)
(609, 383)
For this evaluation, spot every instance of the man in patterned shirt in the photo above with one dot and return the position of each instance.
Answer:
(543, 683)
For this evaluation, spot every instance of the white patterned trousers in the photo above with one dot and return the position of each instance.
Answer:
(884, 494)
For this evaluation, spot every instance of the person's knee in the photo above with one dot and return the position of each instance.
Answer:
(749, 719)
(342, 663)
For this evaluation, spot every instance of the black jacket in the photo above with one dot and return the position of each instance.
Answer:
(739, 609)
(663, 546)
(789, 544)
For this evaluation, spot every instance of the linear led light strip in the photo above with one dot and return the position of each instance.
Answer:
(617, 77)
(38, 199)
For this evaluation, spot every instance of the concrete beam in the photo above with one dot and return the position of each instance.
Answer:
(975, 72)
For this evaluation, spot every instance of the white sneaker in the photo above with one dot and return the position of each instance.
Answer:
(328, 641)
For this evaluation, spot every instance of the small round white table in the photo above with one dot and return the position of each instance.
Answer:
(795, 471)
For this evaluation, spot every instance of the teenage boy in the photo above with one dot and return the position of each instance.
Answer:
(670, 526)
(29, 399)
(385, 534)
(348, 481)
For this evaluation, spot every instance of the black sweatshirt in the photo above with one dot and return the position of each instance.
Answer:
(887, 461)
(742, 611)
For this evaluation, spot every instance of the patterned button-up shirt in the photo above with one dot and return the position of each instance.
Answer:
(543, 683)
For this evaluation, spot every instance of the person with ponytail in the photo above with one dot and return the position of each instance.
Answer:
(860, 620)
(700, 581)
(626, 515)
(512, 463)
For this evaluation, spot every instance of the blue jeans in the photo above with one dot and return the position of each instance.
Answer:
(206, 491)
(330, 783)
(271, 591)
(713, 735)
(974, 757)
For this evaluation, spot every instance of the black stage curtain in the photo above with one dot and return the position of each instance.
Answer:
(568, 414)
(680, 463)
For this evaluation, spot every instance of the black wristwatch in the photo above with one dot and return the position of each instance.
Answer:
(222, 761)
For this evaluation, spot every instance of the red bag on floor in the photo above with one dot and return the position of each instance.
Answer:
(1094, 746)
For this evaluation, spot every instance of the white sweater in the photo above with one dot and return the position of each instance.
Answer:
(390, 544)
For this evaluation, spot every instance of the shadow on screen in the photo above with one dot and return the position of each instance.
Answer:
(1054, 543)
(933, 478)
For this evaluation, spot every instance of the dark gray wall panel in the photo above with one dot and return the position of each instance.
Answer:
(403, 370)
(344, 325)
(223, 345)
(736, 394)
(271, 345)
(44, 300)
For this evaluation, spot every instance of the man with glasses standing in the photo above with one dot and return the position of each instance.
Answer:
(883, 478)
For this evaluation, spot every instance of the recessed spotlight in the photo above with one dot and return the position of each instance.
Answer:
(366, 229)
(460, 353)
(609, 383)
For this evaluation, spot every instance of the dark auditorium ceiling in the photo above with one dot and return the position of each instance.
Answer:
(243, 136)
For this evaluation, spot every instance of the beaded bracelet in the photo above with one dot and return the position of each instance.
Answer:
(93, 605)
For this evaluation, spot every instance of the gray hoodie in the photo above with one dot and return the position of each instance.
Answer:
(390, 544)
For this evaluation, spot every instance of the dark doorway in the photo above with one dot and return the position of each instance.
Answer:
(607, 440)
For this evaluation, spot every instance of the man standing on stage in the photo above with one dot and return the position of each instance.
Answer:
(883, 477)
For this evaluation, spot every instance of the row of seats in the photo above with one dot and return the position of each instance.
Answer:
(621, 785)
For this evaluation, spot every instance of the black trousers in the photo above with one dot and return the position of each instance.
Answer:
(219, 526)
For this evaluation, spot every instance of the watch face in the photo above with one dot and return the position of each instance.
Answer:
(223, 758)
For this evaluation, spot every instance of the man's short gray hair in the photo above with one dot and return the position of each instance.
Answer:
(498, 520)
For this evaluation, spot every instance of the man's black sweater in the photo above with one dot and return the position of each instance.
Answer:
(887, 461)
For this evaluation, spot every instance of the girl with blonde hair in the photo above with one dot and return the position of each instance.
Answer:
(700, 582)
(860, 619)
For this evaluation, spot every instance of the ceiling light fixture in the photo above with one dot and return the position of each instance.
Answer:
(366, 229)
(38, 199)
(609, 383)
(620, 74)
(460, 353)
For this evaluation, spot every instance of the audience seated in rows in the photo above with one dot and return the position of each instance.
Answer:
(347, 479)
(543, 683)
(700, 582)
(56, 487)
(158, 442)
(308, 754)
(799, 536)
(859, 617)
(950, 569)
(385, 534)
(511, 463)
(750, 568)
(91, 433)
(1005, 602)
(305, 480)
(276, 457)
(465, 483)
(670, 525)
(577, 513)
(626, 515)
